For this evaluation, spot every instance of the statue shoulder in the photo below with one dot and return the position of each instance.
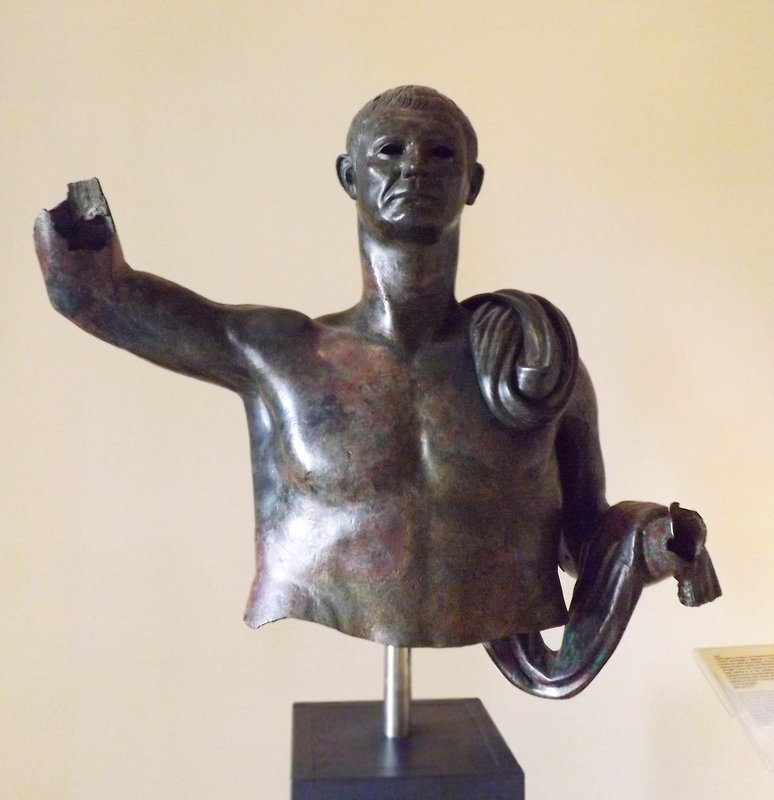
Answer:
(525, 354)
(255, 325)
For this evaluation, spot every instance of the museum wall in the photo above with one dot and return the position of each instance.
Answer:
(629, 150)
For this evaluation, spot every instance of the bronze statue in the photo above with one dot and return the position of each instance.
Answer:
(421, 466)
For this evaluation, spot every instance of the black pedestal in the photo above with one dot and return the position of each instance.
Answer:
(454, 752)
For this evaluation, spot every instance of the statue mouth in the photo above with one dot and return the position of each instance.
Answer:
(413, 195)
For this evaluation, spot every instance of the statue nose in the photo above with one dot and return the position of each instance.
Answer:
(412, 162)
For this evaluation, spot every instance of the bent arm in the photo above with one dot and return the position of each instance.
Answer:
(581, 471)
(90, 283)
(615, 552)
(673, 548)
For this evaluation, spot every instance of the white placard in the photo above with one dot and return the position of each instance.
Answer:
(743, 678)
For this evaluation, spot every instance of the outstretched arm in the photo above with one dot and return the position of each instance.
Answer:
(89, 282)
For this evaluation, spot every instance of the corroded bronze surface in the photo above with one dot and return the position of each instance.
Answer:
(420, 466)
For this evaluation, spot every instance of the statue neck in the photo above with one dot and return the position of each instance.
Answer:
(408, 288)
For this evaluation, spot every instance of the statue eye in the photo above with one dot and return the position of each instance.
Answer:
(391, 149)
(442, 151)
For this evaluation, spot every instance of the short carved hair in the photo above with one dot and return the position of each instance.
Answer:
(415, 97)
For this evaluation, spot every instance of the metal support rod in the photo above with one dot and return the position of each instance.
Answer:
(397, 691)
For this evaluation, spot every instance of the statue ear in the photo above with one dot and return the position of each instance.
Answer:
(476, 179)
(346, 172)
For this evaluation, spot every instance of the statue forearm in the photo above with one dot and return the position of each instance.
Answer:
(81, 258)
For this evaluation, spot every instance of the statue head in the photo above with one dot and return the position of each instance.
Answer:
(410, 164)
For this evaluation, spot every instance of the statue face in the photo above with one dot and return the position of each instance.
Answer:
(410, 175)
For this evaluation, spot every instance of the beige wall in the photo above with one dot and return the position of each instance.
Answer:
(630, 178)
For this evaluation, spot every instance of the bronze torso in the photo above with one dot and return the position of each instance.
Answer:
(390, 503)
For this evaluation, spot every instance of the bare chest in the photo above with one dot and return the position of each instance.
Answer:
(354, 420)
(391, 504)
